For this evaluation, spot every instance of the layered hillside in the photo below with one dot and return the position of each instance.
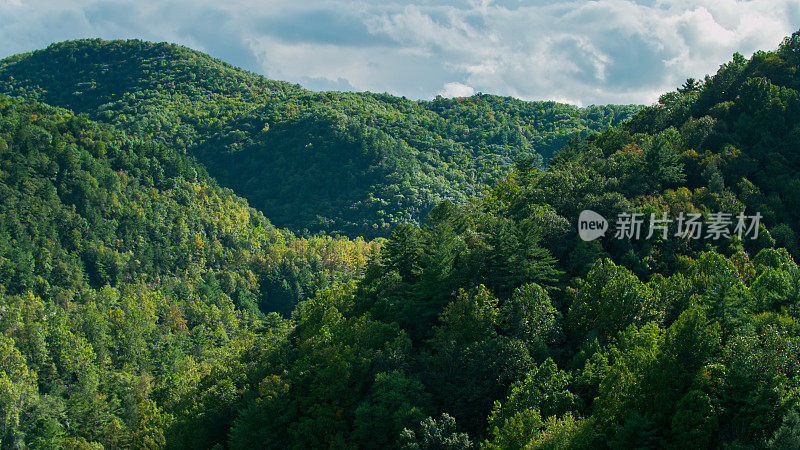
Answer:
(496, 325)
(123, 264)
(351, 163)
(130, 284)
(86, 206)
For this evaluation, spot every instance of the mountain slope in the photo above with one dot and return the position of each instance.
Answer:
(352, 163)
(85, 205)
(496, 324)
(126, 276)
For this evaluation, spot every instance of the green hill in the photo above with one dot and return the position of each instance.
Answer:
(85, 206)
(495, 324)
(121, 259)
(132, 284)
(351, 163)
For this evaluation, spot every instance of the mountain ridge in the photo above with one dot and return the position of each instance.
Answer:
(401, 157)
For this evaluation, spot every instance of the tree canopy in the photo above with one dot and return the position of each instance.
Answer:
(349, 163)
(139, 298)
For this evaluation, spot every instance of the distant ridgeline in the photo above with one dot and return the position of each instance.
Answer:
(350, 163)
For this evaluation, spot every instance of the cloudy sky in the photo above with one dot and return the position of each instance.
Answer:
(582, 52)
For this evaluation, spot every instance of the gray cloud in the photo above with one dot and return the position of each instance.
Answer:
(604, 51)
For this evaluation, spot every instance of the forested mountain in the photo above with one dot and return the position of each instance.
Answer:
(350, 163)
(494, 325)
(130, 282)
(123, 266)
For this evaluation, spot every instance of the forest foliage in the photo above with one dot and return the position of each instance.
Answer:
(347, 163)
(491, 324)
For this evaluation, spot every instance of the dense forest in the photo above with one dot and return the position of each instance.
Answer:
(136, 293)
(122, 265)
(347, 163)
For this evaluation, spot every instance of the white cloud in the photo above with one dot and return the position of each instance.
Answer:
(456, 89)
(603, 51)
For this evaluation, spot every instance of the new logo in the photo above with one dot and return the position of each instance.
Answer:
(591, 225)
